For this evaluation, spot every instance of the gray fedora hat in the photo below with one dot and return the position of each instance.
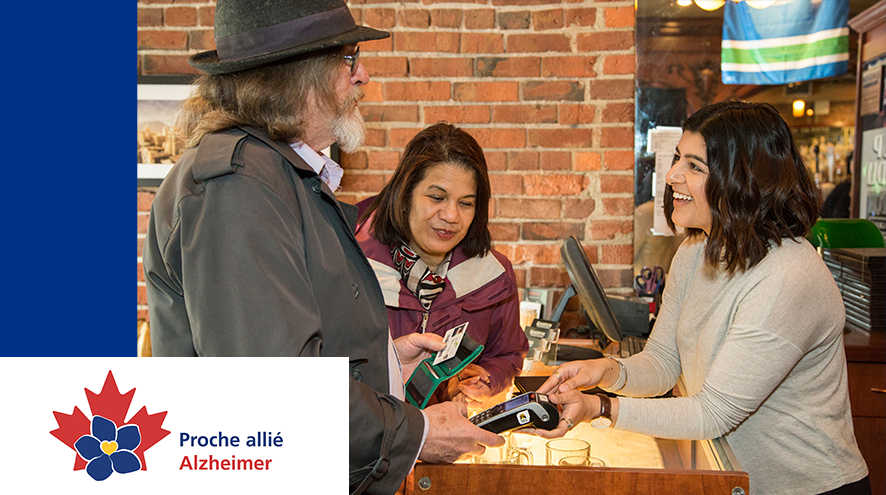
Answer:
(249, 33)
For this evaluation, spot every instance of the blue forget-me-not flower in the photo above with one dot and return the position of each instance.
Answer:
(109, 449)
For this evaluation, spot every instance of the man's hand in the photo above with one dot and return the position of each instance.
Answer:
(413, 348)
(451, 435)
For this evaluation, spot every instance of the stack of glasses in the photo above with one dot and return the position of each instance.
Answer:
(860, 274)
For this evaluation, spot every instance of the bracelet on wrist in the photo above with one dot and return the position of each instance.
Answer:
(622, 376)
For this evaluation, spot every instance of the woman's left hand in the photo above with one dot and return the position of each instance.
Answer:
(574, 375)
(471, 385)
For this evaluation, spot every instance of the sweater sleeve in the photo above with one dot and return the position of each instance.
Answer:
(723, 402)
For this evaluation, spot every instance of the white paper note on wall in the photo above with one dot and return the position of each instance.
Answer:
(662, 141)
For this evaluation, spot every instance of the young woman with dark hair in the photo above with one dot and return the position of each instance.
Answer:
(751, 318)
(762, 192)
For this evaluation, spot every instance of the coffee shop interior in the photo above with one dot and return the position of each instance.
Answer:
(839, 127)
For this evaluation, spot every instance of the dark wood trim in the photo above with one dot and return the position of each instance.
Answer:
(869, 18)
(431, 479)
(863, 346)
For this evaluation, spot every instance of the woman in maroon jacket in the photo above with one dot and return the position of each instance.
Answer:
(427, 239)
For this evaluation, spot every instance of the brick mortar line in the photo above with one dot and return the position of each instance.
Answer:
(479, 6)
(142, 5)
(527, 127)
(173, 29)
(573, 148)
(509, 125)
(448, 55)
(507, 173)
(500, 150)
(169, 52)
(503, 55)
(163, 28)
(503, 103)
(363, 171)
(428, 55)
(503, 125)
(568, 31)
(454, 79)
(465, 5)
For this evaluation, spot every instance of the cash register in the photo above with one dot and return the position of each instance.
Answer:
(597, 308)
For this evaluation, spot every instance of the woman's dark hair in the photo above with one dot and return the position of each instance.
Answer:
(758, 188)
(435, 145)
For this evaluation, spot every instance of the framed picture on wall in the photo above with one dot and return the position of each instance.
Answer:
(159, 100)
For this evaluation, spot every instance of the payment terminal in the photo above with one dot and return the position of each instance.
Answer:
(528, 410)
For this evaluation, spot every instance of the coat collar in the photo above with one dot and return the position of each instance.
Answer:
(348, 212)
(288, 153)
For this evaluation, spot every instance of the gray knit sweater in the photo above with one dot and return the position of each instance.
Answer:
(761, 354)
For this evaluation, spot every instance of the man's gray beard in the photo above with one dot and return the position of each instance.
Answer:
(348, 127)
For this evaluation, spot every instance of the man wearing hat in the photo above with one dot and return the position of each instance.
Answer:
(248, 253)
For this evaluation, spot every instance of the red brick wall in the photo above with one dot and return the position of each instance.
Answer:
(545, 86)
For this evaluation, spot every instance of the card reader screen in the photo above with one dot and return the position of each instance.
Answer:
(517, 402)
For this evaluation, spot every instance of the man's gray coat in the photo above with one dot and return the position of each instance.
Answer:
(248, 253)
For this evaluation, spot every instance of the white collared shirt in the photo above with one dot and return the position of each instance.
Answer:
(329, 171)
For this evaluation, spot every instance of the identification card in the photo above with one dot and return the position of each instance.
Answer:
(452, 339)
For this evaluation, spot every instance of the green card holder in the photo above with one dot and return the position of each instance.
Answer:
(428, 376)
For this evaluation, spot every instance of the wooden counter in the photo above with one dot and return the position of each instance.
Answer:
(635, 464)
(446, 479)
(866, 367)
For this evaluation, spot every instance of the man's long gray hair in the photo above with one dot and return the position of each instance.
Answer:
(272, 98)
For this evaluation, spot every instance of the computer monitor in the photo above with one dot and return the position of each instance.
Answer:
(589, 290)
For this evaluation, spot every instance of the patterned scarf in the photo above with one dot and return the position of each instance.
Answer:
(424, 283)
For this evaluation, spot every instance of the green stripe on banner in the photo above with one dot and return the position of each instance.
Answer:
(790, 53)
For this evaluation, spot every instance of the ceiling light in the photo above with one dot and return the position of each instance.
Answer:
(760, 4)
(684, 3)
(799, 106)
(710, 4)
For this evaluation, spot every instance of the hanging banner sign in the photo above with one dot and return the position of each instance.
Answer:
(784, 43)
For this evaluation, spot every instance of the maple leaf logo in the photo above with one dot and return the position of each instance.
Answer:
(105, 443)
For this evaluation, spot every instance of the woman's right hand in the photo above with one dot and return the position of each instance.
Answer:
(576, 407)
(574, 375)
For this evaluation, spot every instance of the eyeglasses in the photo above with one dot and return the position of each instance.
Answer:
(351, 60)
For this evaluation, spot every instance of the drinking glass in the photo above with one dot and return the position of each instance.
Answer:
(560, 448)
